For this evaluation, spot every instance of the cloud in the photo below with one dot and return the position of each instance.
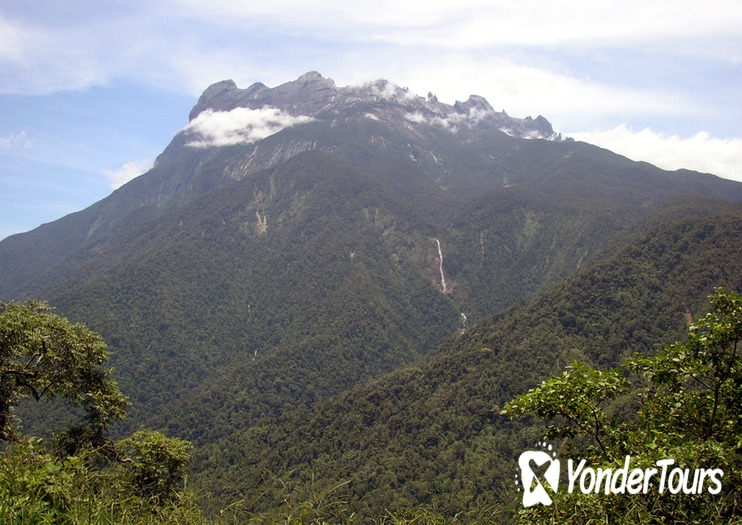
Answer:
(192, 43)
(470, 24)
(14, 40)
(15, 139)
(387, 90)
(39, 60)
(700, 152)
(127, 172)
(239, 126)
(520, 89)
(452, 122)
(415, 118)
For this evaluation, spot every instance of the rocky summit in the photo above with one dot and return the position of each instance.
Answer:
(315, 96)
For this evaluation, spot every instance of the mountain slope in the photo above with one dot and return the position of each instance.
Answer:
(286, 272)
(432, 434)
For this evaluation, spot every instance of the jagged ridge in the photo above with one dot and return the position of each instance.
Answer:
(315, 96)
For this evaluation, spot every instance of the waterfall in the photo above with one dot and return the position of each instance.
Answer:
(440, 265)
(463, 319)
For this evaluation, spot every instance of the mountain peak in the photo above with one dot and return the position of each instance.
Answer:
(314, 76)
(311, 95)
(474, 102)
(218, 88)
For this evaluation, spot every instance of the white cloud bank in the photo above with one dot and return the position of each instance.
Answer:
(128, 171)
(701, 152)
(239, 126)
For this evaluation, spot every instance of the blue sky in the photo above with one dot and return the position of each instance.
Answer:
(92, 91)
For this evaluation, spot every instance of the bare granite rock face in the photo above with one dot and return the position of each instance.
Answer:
(318, 97)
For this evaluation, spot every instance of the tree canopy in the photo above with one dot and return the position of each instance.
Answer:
(86, 477)
(687, 407)
(43, 355)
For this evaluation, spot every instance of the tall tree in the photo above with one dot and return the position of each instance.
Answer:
(43, 355)
(87, 477)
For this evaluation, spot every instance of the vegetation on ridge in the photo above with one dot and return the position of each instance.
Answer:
(432, 434)
(80, 475)
(440, 419)
(686, 406)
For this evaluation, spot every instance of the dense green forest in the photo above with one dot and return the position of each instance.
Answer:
(78, 475)
(685, 405)
(425, 443)
(432, 434)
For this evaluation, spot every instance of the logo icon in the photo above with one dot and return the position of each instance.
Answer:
(535, 466)
(540, 471)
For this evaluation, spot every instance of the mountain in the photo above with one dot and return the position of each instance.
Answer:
(292, 243)
(423, 150)
(187, 168)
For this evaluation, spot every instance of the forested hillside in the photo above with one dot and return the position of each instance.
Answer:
(433, 434)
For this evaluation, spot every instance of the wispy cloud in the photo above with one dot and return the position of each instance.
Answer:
(40, 60)
(470, 24)
(156, 41)
(127, 172)
(451, 122)
(700, 152)
(573, 23)
(239, 126)
(15, 139)
(387, 90)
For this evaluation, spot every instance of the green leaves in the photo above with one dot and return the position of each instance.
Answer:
(37, 486)
(43, 355)
(697, 386)
(156, 464)
(691, 411)
(578, 395)
(87, 478)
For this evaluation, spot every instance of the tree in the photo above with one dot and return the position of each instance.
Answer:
(158, 463)
(43, 355)
(86, 478)
(689, 399)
